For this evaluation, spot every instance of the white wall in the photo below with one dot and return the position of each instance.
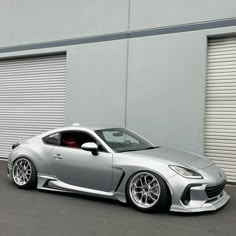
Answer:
(166, 73)
(166, 87)
(166, 90)
(28, 21)
(159, 13)
(96, 83)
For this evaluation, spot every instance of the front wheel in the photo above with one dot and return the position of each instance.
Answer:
(24, 173)
(148, 192)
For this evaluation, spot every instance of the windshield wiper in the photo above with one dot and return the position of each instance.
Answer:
(130, 150)
(151, 147)
(133, 150)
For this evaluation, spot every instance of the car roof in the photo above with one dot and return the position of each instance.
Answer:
(91, 127)
(76, 127)
(94, 127)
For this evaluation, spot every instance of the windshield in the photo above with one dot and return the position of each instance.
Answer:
(123, 140)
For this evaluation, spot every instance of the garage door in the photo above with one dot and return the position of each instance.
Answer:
(220, 126)
(32, 97)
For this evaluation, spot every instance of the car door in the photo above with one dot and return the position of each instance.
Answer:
(81, 168)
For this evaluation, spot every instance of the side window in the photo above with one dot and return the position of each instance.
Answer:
(77, 139)
(53, 139)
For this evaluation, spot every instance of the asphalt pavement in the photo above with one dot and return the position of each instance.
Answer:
(34, 213)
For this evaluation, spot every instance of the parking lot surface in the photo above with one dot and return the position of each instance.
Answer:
(33, 212)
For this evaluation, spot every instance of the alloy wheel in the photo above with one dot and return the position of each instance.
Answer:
(22, 170)
(144, 189)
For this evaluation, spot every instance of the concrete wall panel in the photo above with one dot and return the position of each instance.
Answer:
(166, 89)
(160, 13)
(96, 84)
(26, 21)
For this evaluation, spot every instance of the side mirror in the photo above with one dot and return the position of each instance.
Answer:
(92, 147)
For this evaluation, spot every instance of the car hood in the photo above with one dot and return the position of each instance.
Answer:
(174, 157)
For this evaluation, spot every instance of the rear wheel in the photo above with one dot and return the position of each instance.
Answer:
(24, 173)
(148, 192)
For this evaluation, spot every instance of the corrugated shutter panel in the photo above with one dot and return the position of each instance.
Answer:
(32, 97)
(220, 125)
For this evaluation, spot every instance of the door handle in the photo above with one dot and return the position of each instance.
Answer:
(58, 156)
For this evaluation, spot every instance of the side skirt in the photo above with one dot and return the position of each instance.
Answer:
(46, 182)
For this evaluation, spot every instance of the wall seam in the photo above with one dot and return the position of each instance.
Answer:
(127, 66)
(205, 98)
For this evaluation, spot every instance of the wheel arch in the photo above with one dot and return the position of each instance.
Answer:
(170, 190)
(25, 156)
(36, 154)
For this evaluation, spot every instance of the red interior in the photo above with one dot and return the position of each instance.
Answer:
(71, 142)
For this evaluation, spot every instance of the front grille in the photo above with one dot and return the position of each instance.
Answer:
(215, 190)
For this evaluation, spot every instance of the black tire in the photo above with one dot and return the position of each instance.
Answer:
(32, 178)
(162, 204)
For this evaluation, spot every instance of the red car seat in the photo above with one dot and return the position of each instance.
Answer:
(71, 142)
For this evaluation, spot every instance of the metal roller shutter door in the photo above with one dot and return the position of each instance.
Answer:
(32, 97)
(220, 124)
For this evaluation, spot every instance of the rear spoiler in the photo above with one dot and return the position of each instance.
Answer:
(16, 144)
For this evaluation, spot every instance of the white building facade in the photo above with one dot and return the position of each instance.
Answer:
(166, 69)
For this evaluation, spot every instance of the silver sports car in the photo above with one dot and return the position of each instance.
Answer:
(117, 163)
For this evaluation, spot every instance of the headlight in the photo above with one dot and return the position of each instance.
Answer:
(185, 172)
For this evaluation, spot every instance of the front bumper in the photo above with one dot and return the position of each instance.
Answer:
(199, 195)
(201, 206)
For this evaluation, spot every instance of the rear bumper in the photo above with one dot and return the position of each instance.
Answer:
(9, 171)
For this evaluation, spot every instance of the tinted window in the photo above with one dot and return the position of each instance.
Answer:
(53, 139)
(75, 139)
